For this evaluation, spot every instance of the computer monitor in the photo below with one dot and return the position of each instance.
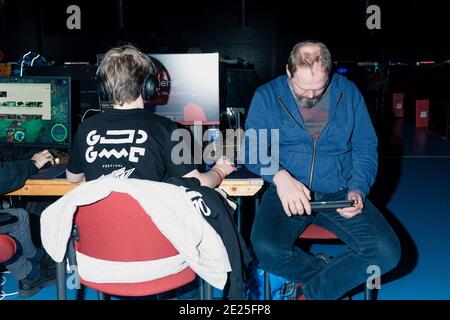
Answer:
(84, 87)
(188, 88)
(35, 111)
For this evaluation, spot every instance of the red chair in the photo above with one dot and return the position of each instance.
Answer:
(118, 229)
(8, 247)
(314, 232)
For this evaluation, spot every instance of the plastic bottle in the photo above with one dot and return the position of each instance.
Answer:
(213, 149)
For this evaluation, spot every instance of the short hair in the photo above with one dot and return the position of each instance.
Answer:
(298, 59)
(123, 71)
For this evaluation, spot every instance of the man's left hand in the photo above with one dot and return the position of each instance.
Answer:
(357, 208)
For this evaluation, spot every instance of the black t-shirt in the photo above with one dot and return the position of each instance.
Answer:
(132, 143)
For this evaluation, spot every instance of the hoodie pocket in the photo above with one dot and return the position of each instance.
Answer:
(299, 165)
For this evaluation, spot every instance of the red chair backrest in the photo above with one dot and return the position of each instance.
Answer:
(118, 229)
(7, 247)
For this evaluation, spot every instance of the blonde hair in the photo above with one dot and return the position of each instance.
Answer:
(123, 71)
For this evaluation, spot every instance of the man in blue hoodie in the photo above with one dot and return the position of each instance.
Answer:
(324, 147)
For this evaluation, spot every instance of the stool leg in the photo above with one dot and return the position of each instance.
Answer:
(239, 214)
(267, 289)
(61, 280)
(368, 293)
(101, 295)
(206, 290)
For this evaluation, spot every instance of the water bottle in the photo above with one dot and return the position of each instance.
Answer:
(213, 150)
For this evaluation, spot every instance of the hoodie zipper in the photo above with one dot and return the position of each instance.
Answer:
(315, 144)
(313, 162)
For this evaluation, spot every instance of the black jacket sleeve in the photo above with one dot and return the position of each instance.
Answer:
(13, 174)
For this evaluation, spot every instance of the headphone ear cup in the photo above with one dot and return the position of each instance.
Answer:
(101, 89)
(148, 88)
(102, 93)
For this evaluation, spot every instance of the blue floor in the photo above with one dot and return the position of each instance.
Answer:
(419, 209)
(413, 192)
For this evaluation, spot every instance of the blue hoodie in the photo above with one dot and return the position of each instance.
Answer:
(345, 154)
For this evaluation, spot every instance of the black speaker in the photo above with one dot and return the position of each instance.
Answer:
(240, 86)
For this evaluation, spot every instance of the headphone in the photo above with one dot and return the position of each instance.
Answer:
(148, 88)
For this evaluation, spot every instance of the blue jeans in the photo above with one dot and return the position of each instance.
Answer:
(370, 239)
(19, 265)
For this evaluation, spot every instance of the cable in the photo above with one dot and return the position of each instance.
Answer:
(3, 294)
(238, 125)
(32, 61)
(228, 118)
(84, 115)
(23, 61)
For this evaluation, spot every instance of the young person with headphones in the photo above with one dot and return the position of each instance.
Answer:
(128, 141)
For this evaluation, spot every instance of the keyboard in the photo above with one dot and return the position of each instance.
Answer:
(11, 152)
(57, 171)
(242, 173)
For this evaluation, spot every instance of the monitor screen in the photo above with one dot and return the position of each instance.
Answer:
(84, 87)
(35, 111)
(188, 88)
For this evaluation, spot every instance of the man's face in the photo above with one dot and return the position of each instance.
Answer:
(309, 85)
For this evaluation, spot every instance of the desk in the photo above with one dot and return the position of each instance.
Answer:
(59, 187)
(48, 187)
(235, 187)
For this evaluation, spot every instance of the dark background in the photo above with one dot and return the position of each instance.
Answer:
(259, 31)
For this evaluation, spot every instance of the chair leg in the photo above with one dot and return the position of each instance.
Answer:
(61, 280)
(201, 288)
(101, 295)
(206, 290)
(267, 289)
(209, 291)
(368, 293)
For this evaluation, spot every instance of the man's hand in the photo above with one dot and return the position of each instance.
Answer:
(293, 194)
(41, 158)
(357, 208)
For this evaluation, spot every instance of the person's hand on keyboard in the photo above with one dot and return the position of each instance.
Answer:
(42, 158)
(225, 165)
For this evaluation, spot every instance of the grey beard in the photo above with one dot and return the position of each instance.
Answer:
(306, 102)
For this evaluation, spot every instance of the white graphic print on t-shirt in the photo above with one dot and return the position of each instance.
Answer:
(116, 137)
(122, 173)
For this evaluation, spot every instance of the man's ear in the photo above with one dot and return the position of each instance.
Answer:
(288, 72)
